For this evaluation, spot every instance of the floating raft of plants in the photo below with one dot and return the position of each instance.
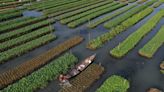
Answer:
(114, 84)
(85, 79)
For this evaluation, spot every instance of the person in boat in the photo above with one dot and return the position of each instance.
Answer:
(63, 78)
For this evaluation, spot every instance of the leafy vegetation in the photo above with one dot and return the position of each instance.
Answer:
(131, 41)
(66, 15)
(25, 38)
(62, 7)
(141, 1)
(24, 30)
(82, 81)
(152, 46)
(19, 50)
(41, 77)
(24, 69)
(157, 4)
(78, 16)
(114, 22)
(20, 23)
(96, 23)
(114, 84)
(48, 4)
(131, 1)
(100, 40)
(80, 7)
(94, 15)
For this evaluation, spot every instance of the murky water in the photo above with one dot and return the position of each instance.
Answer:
(141, 72)
(32, 13)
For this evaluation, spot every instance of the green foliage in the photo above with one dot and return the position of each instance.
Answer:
(102, 20)
(65, 6)
(131, 1)
(41, 77)
(78, 16)
(73, 9)
(94, 15)
(62, 16)
(24, 30)
(24, 38)
(19, 23)
(19, 50)
(152, 46)
(114, 22)
(131, 41)
(100, 40)
(114, 84)
(157, 4)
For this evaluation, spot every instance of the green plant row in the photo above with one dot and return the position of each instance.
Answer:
(25, 38)
(48, 3)
(131, 1)
(94, 15)
(40, 78)
(19, 50)
(5, 17)
(131, 41)
(102, 39)
(161, 1)
(24, 30)
(17, 20)
(77, 8)
(114, 22)
(55, 4)
(80, 10)
(63, 7)
(157, 4)
(16, 73)
(115, 84)
(141, 1)
(78, 16)
(25, 21)
(152, 46)
(102, 20)
(11, 11)
(14, 3)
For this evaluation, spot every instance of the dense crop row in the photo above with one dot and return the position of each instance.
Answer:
(19, 50)
(77, 8)
(105, 6)
(131, 1)
(114, 22)
(24, 30)
(25, 38)
(141, 1)
(102, 39)
(20, 23)
(131, 41)
(157, 4)
(94, 15)
(48, 4)
(62, 7)
(18, 72)
(41, 77)
(82, 81)
(102, 20)
(80, 10)
(9, 22)
(9, 16)
(52, 4)
(114, 84)
(152, 46)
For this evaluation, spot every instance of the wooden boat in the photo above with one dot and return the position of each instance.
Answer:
(77, 69)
